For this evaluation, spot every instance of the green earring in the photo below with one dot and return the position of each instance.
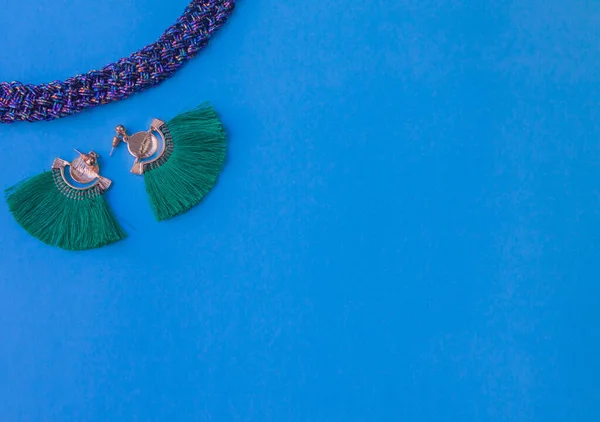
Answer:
(64, 207)
(183, 165)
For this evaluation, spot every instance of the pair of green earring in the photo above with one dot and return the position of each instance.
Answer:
(180, 160)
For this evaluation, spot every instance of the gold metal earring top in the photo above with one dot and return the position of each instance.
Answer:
(84, 170)
(142, 145)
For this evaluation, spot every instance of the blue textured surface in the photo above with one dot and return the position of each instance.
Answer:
(407, 228)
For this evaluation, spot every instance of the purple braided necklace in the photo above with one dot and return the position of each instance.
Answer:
(117, 81)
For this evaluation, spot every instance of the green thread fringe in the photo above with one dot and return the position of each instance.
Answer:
(194, 157)
(59, 215)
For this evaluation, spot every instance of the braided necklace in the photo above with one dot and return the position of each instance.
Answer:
(117, 81)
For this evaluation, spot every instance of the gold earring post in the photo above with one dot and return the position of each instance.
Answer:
(120, 136)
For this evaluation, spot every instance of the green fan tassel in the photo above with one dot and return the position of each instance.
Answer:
(189, 169)
(59, 215)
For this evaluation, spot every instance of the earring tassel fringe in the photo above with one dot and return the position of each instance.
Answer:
(59, 215)
(194, 157)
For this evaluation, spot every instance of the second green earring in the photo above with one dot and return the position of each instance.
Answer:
(183, 165)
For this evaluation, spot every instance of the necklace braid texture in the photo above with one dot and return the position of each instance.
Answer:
(117, 81)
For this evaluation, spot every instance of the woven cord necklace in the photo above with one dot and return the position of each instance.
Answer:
(117, 81)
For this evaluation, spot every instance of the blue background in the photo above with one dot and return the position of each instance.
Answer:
(406, 230)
